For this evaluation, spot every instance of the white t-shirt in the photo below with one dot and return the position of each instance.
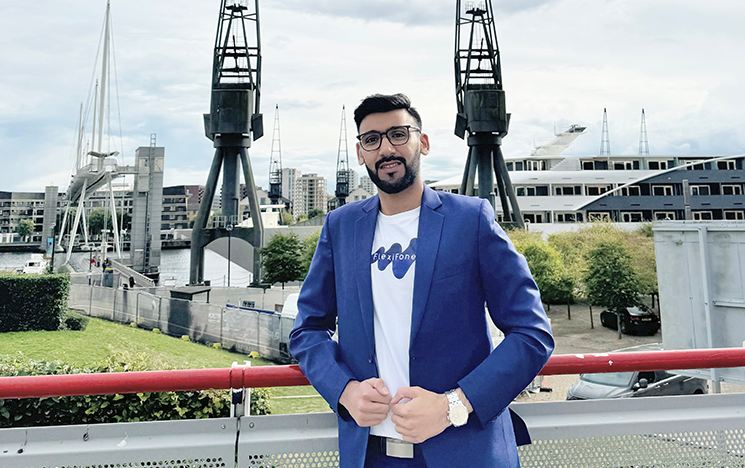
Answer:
(392, 269)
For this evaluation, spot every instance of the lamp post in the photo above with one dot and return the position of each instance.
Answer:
(229, 228)
(54, 237)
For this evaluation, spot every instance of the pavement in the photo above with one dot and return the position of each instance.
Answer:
(579, 335)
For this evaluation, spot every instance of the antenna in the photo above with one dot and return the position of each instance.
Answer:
(275, 166)
(643, 143)
(605, 139)
(342, 162)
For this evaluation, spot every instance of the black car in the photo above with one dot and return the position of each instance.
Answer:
(637, 320)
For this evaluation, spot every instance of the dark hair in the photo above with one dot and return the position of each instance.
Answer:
(384, 103)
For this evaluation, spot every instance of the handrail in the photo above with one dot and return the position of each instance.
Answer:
(281, 376)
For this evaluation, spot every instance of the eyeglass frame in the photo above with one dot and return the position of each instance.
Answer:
(408, 128)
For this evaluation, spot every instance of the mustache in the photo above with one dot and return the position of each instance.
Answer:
(389, 159)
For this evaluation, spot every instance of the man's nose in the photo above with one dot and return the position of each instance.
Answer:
(386, 147)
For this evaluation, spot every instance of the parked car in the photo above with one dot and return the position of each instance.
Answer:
(638, 320)
(635, 384)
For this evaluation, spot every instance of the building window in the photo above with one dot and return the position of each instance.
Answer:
(534, 165)
(623, 165)
(594, 190)
(662, 190)
(599, 216)
(568, 190)
(731, 189)
(657, 165)
(630, 191)
(664, 215)
(632, 217)
(734, 215)
(699, 190)
(699, 166)
(702, 215)
(510, 166)
(541, 190)
(569, 218)
(532, 218)
(588, 166)
(726, 165)
(518, 165)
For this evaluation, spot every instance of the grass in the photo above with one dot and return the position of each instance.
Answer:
(102, 339)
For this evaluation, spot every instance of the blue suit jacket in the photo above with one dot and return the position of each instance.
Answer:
(464, 260)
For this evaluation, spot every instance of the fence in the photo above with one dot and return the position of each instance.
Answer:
(654, 432)
(236, 328)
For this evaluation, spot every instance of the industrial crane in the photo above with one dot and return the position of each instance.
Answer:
(482, 110)
(233, 120)
(275, 164)
(342, 163)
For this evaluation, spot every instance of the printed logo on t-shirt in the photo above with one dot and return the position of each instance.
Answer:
(401, 261)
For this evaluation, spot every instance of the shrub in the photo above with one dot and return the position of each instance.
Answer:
(91, 409)
(75, 322)
(33, 302)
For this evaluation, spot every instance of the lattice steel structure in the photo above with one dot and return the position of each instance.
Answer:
(275, 164)
(482, 110)
(342, 162)
(233, 120)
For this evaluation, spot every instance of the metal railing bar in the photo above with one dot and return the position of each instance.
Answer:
(282, 376)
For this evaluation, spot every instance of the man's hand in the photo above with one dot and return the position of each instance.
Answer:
(424, 416)
(367, 401)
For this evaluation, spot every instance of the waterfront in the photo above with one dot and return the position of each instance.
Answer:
(174, 265)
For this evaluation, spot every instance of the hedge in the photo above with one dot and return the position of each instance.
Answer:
(91, 409)
(32, 302)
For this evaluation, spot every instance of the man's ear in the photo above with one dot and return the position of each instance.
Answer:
(424, 144)
(360, 159)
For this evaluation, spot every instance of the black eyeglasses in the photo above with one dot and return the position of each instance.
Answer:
(398, 136)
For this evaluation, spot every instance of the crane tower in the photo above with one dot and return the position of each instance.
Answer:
(275, 165)
(482, 111)
(342, 163)
(233, 120)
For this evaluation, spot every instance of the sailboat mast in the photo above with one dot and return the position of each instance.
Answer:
(104, 69)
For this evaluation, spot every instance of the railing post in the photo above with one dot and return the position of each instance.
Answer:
(240, 398)
(137, 308)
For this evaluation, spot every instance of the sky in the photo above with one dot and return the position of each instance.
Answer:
(563, 62)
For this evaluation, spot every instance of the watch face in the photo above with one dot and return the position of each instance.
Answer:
(458, 415)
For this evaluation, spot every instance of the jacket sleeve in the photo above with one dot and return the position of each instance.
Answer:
(311, 338)
(514, 304)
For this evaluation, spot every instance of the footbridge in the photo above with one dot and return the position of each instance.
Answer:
(679, 431)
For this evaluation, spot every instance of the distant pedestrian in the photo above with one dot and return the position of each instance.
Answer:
(131, 282)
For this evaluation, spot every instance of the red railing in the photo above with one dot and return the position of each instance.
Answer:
(282, 376)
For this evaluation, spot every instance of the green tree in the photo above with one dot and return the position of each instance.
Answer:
(25, 228)
(575, 247)
(99, 217)
(308, 249)
(314, 213)
(611, 280)
(280, 259)
(554, 282)
(286, 218)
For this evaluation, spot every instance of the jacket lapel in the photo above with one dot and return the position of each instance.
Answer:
(428, 241)
(364, 232)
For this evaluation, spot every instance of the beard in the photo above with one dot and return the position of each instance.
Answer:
(410, 174)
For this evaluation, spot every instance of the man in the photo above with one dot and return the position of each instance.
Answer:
(405, 276)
